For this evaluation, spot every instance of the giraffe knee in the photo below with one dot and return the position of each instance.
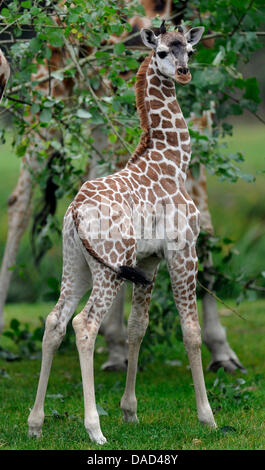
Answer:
(137, 327)
(192, 336)
(86, 332)
(55, 329)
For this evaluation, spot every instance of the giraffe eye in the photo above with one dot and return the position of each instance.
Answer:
(190, 53)
(162, 54)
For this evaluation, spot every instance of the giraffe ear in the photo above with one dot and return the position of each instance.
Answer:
(149, 38)
(194, 35)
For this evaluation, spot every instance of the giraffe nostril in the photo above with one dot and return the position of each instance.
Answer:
(182, 70)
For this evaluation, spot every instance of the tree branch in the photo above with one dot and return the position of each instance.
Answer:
(220, 300)
(251, 112)
(242, 17)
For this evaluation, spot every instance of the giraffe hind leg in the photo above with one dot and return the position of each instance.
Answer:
(76, 280)
(86, 325)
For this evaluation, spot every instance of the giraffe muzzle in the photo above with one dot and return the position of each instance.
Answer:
(183, 75)
(182, 71)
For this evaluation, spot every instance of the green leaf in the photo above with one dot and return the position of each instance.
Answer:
(35, 108)
(119, 48)
(132, 63)
(55, 39)
(219, 57)
(83, 114)
(35, 45)
(14, 324)
(26, 4)
(101, 410)
(195, 170)
(46, 115)
(112, 138)
(53, 283)
(252, 90)
(21, 149)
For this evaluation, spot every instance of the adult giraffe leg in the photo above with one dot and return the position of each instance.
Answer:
(137, 324)
(19, 209)
(214, 334)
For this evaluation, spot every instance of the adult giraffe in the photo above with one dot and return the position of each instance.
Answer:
(4, 74)
(104, 237)
(19, 208)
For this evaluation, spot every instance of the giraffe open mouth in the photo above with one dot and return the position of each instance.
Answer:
(183, 78)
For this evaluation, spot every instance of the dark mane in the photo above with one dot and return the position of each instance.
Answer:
(141, 107)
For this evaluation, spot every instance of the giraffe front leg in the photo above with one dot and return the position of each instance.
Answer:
(183, 271)
(137, 324)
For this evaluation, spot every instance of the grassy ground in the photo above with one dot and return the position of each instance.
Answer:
(166, 404)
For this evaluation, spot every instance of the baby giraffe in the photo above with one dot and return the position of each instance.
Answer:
(119, 227)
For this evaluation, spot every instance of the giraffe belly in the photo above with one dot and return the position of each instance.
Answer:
(146, 248)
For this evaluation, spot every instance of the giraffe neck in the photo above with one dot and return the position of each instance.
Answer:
(165, 129)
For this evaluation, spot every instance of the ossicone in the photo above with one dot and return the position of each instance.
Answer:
(163, 29)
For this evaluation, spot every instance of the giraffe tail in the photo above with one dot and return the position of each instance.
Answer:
(133, 274)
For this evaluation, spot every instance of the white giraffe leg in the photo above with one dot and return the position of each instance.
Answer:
(214, 334)
(19, 209)
(184, 289)
(137, 324)
(55, 329)
(86, 325)
(76, 280)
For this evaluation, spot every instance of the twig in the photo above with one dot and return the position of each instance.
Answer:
(223, 35)
(242, 17)
(71, 51)
(251, 112)
(17, 100)
(220, 300)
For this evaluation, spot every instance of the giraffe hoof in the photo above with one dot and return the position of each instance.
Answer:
(130, 417)
(112, 365)
(35, 431)
(206, 418)
(229, 365)
(97, 437)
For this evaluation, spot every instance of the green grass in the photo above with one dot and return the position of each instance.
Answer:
(166, 403)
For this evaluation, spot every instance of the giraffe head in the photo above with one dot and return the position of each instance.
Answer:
(172, 50)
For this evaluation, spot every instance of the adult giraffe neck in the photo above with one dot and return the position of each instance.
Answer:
(164, 127)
